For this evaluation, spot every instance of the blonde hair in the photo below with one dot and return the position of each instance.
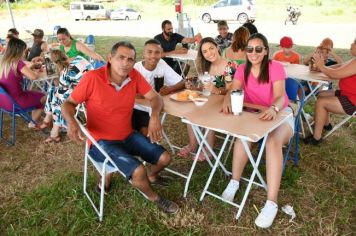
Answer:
(13, 54)
(60, 59)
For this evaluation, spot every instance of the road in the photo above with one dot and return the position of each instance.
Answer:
(309, 34)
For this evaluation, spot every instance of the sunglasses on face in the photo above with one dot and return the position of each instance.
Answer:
(258, 49)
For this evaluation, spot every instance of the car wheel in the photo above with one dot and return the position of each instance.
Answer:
(206, 18)
(88, 18)
(139, 17)
(76, 19)
(126, 18)
(215, 21)
(242, 18)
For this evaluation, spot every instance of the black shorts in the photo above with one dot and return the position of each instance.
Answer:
(140, 119)
(346, 104)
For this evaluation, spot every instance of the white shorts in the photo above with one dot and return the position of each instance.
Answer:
(290, 121)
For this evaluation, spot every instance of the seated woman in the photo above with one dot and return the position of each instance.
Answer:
(12, 70)
(72, 48)
(342, 101)
(263, 82)
(71, 71)
(210, 60)
(326, 50)
(236, 52)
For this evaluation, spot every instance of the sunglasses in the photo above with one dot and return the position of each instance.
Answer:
(258, 49)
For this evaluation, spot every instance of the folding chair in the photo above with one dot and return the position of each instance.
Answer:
(14, 111)
(90, 41)
(104, 168)
(97, 64)
(339, 124)
(292, 88)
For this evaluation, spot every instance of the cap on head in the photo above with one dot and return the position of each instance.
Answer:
(286, 42)
(38, 33)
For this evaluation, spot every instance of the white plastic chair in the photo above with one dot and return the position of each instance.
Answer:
(104, 168)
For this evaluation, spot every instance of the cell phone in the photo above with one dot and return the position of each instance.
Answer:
(252, 110)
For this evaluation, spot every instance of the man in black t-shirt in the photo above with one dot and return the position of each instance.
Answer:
(169, 41)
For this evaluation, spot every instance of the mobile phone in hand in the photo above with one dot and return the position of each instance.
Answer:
(251, 109)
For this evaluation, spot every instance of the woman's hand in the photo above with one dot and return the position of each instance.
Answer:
(227, 104)
(268, 114)
(210, 87)
(319, 59)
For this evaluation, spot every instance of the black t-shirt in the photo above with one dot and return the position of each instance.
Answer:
(168, 46)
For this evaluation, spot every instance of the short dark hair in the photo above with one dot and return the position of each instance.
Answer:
(165, 22)
(251, 28)
(222, 23)
(152, 41)
(125, 44)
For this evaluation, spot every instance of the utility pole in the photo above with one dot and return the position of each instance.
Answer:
(10, 12)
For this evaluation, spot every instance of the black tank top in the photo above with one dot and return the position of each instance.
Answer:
(35, 51)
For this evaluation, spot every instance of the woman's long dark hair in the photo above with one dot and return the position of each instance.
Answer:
(203, 64)
(65, 32)
(263, 77)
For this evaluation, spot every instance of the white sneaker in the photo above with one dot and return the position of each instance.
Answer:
(230, 191)
(267, 215)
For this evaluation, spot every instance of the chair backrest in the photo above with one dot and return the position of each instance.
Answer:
(55, 29)
(294, 89)
(97, 64)
(90, 39)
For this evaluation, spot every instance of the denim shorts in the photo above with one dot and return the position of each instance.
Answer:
(123, 152)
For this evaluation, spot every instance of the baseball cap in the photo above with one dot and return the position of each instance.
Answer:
(38, 32)
(286, 42)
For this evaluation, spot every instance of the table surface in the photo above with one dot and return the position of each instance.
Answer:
(190, 55)
(302, 72)
(247, 125)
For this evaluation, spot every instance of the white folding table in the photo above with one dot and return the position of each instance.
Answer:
(247, 127)
(191, 55)
(302, 72)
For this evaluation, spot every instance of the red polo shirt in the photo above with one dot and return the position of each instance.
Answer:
(109, 111)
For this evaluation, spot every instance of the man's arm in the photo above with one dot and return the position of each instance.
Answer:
(68, 112)
(175, 51)
(154, 126)
(191, 40)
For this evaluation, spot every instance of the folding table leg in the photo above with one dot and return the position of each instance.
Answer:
(255, 171)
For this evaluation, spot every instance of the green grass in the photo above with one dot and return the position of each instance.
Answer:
(42, 192)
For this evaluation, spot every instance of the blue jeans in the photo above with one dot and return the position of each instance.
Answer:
(123, 152)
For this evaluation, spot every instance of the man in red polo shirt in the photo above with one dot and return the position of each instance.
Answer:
(109, 95)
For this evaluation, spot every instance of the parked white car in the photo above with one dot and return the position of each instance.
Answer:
(230, 10)
(125, 13)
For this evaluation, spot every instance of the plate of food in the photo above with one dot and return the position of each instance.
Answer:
(183, 96)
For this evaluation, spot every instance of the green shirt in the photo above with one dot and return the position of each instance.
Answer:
(73, 52)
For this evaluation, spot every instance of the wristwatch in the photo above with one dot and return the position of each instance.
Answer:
(275, 108)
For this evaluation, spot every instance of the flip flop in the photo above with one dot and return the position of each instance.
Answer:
(50, 139)
(201, 157)
(185, 151)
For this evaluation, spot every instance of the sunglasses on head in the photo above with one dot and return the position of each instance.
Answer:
(258, 49)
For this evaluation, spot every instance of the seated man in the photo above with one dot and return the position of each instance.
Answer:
(169, 41)
(153, 66)
(224, 38)
(109, 95)
(287, 54)
(39, 46)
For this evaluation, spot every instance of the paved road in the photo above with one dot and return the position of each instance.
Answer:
(303, 34)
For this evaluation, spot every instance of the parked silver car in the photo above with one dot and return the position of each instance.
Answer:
(231, 10)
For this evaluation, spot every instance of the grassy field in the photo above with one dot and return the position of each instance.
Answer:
(41, 189)
(333, 11)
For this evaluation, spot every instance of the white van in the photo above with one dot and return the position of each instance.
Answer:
(87, 11)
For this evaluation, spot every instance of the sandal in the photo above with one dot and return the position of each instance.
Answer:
(201, 157)
(185, 151)
(106, 189)
(34, 126)
(45, 125)
(51, 139)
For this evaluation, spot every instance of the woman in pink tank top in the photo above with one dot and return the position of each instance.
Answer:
(342, 101)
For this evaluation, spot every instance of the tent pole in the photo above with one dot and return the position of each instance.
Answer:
(10, 12)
